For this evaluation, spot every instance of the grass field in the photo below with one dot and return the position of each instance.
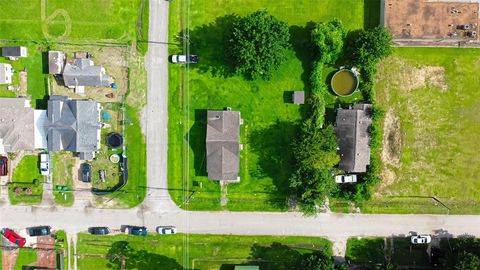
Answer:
(204, 251)
(91, 20)
(433, 116)
(27, 175)
(270, 120)
(376, 251)
(62, 169)
(25, 257)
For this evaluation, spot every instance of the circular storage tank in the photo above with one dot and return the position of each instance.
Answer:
(114, 140)
(344, 82)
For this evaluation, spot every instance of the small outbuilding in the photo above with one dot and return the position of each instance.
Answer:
(14, 52)
(6, 73)
(298, 97)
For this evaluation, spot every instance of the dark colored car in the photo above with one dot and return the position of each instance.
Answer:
(13, 237)
(39, 230)
(3, 166)
(136, 230)
(99, 230)
(86, 172)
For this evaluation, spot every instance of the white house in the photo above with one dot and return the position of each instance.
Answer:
(5, 73)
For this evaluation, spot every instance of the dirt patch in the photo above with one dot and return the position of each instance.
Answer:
(392, 139)
(388, 178)
(23, 82)
(46, 252)
(407, 77)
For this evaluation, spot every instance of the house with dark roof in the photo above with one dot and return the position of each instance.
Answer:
(73, 125)
(14, 52)
(6, 73)
(351, 129)
(223, 145)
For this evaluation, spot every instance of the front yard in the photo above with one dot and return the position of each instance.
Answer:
(431, 100)
(26, 186)
(270, 120)
(62, 174)
(204, 251)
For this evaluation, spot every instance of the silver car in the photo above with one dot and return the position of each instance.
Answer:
(166, 230)
(421, 239)
(184, 59)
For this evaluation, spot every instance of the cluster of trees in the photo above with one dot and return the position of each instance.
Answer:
(258, 45)
(316, 150)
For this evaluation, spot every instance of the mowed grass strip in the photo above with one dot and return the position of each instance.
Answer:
(204, 251)
(26, 175)
(270, 120)
(86, 20)
(434, 94)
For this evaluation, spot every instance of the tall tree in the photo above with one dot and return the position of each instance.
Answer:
(371, 46)
(317, 261)
(467, 261)
(258, 45)
(329, 38)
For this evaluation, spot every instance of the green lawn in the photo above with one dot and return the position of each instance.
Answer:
(62, 172)
(204, 251)
(25, 257)
(106, 20)
(376, 251)
(270, 121)
(27, 175)
(434, 95)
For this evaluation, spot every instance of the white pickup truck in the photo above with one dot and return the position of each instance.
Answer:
(44, 164)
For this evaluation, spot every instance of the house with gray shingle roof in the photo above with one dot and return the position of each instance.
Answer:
(14, 52)
(223, 145)
(21, 127)
(73, 125)
(351, 129)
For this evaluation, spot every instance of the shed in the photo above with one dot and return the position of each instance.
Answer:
(14, 52)
(6, 73)
(298, 97)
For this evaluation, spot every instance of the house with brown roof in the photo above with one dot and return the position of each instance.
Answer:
(352, 131)
(223, 145)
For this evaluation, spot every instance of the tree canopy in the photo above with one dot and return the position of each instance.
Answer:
(317, 261)
(371, 46)
(467, 261)
(258, 44)
(329, 38)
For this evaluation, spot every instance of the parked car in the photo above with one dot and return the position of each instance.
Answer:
(421, 239)
(345, 178)
(3, 166)
(166, 230)
(136, 230)
(13, 237)
(39, 230)
(44, 163)
(184, 59)
(86, 172)
(99, 230)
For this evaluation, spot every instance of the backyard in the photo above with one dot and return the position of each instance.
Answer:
(270, 120)
(431, 101)
(63, 164)
(203, 252)
(27, 182)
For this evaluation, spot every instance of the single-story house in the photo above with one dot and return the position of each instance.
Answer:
(223, 145)
(351, 129)
(78, 72)
(73, 125)
(14, 52)
(21, 127)
(6, 73)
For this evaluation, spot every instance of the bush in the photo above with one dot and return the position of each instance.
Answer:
(258, 45)
(370, 47)
(329, 38)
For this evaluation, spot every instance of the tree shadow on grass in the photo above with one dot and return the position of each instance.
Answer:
(276, 256)
(273, 146)
(121, 253)
(196, 138)
(371, 13)
(300, 38)
(209, 42)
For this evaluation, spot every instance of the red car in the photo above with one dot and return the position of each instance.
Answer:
(13, 237)
(3, 166)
